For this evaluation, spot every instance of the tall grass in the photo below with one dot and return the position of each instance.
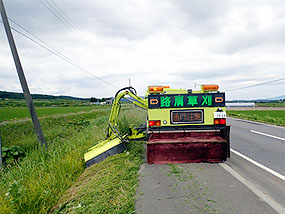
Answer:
(32, 184)
(106, 187)
(36, 182)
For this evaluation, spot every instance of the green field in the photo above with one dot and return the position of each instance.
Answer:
(10, 113)
(276, 117)
(271, 104)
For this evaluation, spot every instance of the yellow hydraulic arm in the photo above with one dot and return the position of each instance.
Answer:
(113, 119)
(114, 142)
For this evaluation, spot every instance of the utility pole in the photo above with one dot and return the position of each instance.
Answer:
(27, 95)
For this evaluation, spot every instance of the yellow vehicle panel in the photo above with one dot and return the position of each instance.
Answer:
(164, 115)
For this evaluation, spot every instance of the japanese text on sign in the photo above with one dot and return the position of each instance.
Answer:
(187, 100)
(187, 116)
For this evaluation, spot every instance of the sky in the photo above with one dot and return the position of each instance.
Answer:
(237, 44)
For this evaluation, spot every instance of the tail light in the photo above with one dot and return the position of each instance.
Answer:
(216, 121)
(157, 123)
(223, 121)
(220, 121)
(154, 123)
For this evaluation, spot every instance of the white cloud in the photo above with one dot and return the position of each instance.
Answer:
(178, 43)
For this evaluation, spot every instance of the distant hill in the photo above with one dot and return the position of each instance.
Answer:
(282, 97)
(14, 95)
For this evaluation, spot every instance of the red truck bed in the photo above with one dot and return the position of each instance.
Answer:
(186, 147)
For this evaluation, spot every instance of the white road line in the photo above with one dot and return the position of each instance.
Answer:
(282, 177)
(277, 207)
(268, 135)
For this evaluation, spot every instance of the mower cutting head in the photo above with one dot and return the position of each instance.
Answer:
(103, 150)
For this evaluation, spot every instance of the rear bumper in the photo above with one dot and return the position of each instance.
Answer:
(184, 146)
(185, 128)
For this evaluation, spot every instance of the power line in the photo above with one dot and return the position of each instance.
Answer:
(265, 79)
(64, 21)
(69, 24)
(60, 55)
(74, 25)
(56, 15)
(67, 21)
(29, 32)
(258, 84)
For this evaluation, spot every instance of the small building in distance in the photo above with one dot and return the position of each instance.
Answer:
(103, 101)
(109, 101)
(240, 105)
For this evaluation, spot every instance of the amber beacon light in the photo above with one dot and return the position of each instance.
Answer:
(210, 87)
(155, 89)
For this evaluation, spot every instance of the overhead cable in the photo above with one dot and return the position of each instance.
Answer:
(254, 85)
(67, 21)
(74, 25)
(265, 79)
(29, 32)
(60, 55)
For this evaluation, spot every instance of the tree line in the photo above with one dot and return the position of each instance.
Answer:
(19, 96)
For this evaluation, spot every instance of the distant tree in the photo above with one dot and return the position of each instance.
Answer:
(93, 100)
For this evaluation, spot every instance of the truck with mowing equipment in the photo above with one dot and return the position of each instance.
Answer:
(182, 126)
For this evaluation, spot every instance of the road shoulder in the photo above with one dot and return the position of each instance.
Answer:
(194, 188)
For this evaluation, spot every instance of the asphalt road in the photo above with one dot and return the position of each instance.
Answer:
(236, 186)
(248, 138)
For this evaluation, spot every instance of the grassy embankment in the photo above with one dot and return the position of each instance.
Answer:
(36, 182)
(276, 117)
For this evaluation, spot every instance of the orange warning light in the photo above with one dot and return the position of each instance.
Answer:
(210, 87)
(155, 89)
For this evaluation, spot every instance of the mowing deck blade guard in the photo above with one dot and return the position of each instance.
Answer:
(103, 150)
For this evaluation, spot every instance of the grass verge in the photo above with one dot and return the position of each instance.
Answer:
(106, 187)
(276, 117)
(36, 182)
